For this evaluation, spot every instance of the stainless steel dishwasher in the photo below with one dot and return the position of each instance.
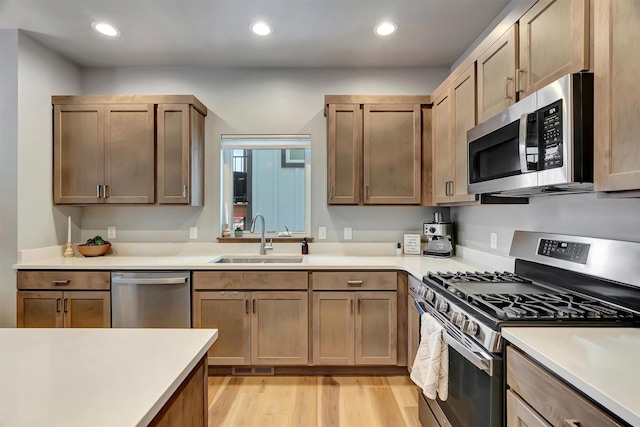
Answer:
(150, 299)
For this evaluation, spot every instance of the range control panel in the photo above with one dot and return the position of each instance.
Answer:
(564, 250)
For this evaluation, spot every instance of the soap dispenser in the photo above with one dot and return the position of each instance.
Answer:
(305, 246)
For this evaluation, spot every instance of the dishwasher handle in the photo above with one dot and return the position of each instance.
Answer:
(149, 281)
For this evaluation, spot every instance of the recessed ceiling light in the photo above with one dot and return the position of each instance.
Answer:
(261, 28)
(385, 28)
(106, 29)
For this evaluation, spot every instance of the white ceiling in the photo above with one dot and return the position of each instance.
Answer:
(307, 33)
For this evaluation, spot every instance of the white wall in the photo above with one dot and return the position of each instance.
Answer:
(29, 75)
(8, 173)
(41, 74)
(266, 100)
(587, 214)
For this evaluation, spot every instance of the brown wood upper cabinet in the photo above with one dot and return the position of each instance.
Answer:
(454, 113)
(374, 149)
(496, 75)
(617, 95)
(554, 41)
(105, 149)
(69, 299)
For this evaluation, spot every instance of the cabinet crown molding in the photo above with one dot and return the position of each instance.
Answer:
(130, 99)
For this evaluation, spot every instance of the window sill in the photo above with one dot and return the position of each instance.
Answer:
(253, 239)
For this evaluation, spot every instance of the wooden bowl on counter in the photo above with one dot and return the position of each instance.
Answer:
(93, 250)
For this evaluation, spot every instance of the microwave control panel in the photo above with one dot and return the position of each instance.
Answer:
(567, 251)
(551, 141)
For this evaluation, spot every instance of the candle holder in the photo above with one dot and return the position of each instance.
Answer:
(68, 252)
(226, 232)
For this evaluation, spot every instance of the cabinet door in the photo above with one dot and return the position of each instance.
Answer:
(554, 41)
(279, 328)
(228, 312)
(344, 152)
(129, 153)
(78, 150)
(443, 148)
(333, 328)
(520, 414)
(91, 309)
(392, 154)
(376, 328)
(464, 118)
(39, 309)
(173, 153)
(617, 95)
(496, 75)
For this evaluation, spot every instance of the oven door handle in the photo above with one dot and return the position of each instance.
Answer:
(420, 309)
(485, 364)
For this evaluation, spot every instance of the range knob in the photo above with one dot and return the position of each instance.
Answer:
(432, 229)
(442, 306)
(430, 295)
(469, 327)
(457, 318)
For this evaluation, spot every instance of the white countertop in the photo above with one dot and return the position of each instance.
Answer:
(174, 257)
(93, 377)
(601, 362)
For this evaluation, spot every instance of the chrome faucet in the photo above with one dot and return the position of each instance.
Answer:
(263, 246)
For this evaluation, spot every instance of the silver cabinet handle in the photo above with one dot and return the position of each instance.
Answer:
(246, 306)
(354, 282)
(254, 305)
(519, 73)
(506, 87)
(57, 305)
(359, 305)
(106, 191)
(98, 187)
(65, 304)
(61, 282)
(184, 191)
(451, 188)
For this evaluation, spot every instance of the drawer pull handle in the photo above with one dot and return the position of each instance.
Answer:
(61, 282)
(571, 423)
(354, 282)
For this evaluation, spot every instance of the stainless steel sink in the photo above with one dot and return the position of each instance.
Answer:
(257, 260)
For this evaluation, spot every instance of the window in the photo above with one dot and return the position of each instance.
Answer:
(270, 175)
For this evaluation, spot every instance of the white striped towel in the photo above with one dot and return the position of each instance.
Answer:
(431, 367)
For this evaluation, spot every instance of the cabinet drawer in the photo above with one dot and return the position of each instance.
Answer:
(556, 401)
(355, 280)
(203, 280)
(64, 280)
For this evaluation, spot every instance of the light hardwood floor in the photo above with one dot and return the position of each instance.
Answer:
(312, 401)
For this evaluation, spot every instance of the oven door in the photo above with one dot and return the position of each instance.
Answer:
(475, 384)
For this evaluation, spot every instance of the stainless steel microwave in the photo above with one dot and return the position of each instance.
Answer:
(542, 144)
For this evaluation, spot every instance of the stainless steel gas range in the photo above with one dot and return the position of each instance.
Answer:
(559, 280)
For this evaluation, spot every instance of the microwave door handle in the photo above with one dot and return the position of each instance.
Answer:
(522, 143)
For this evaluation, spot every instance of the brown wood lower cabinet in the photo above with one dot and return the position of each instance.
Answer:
(538, 398)
(57, 299)
(354, 328)
(255, 327)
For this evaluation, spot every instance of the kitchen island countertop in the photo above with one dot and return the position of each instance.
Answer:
(94, 377)
(600, 362)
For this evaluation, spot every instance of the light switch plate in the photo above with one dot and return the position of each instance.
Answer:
(322, 233)
(193, 233)
(494, 240)
(348, 233)
(111, 232)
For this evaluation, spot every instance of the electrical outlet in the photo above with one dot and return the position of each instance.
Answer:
(494, 240)
(322, 233)
(348, 233)
(111, 232)
(193, 233)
